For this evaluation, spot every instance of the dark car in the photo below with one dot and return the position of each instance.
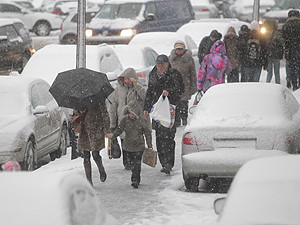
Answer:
(118, 22)
(15, 45)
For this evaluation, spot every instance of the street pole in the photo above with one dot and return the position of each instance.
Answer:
(80, 61)
(256, 7)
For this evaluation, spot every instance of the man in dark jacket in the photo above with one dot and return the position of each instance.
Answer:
(291, 34)
(166, 81)
(244, 35)
(206, 44)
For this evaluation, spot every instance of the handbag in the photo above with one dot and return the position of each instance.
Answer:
(113, 149)
(149, 157)
(76, 122)
(163, 112)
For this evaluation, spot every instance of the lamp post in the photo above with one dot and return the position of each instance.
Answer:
(256, 7)
(81, 24)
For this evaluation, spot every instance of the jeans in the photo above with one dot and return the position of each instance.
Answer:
(276, 63)
(252, 74)
(294, 72)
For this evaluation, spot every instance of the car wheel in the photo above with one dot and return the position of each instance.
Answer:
(191, 183)
(42, 28)
(62, 150)
(70, 39)
(29, 158)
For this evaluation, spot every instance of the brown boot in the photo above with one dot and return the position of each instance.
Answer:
(88, 171)
(101, 170)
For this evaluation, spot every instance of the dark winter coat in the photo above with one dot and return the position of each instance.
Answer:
(204, 48)
(274, 45)
(186, 66)
(134, 130)
(291, 34)
(244, 53)
(230, 40)
(171, 81)
(241, 45)
(94, 126)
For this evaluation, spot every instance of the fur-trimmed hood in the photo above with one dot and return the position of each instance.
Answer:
(292, 19)
(185, 57)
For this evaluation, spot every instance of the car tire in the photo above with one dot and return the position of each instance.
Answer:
(70, 39)
(29, 163)
(191, 183)
(42, 28)
(62, 150)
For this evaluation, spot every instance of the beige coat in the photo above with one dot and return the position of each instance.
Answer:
(186, 66)
(94, 126)
(124, 94)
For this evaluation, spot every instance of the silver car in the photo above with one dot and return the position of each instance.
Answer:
(32, 124)
(234, 123)
(68, 34)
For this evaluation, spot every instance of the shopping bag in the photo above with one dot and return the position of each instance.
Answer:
(163, 112)
(150, 157)
(113, 148)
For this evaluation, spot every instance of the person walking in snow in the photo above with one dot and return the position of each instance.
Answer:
(230, 40)
(274, 48)
(135, 128)
(213, 68)
(291, 34)
(95, 125)
(244, 35)
(181, 59)
(128, 89)
(167, 81)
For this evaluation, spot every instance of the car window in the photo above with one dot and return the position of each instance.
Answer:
(109, 62)
(44, 93)
(9, 31)
(9, 8)
(36, 99)
(150, 58)
(129, 10)
(24, 33)
(88, 17)
(190, 43)
(108, 11)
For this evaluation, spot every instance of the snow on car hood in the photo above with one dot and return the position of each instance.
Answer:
(280, 13)
(116, 24)
(11, 124)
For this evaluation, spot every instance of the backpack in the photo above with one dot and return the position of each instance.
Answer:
(253, 49)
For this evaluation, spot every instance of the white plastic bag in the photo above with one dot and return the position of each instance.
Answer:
(161, 112)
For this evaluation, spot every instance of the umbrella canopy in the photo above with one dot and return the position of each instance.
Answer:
(81, 89)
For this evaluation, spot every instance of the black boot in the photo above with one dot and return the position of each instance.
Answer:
(288, 84)
(101, 170)
(88, 172)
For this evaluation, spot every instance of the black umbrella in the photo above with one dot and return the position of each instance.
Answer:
(81, 89)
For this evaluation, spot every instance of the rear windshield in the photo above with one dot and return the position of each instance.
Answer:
(287, 4)
(113, 11)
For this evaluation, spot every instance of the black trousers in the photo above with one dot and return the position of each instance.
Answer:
(135, 160)
(165, 144)
(181, 111)
(294, 72)
(233, 76)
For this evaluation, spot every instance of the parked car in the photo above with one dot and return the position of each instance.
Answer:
(32, 124)
(163, 43)
(25, 4)
(204, 9)
(68, 34)
(198, 29)
(139, 57)
(280, 10)
(39, 22)
(46, 63)
(118, 21)
(264, 191)
(50, 198)
(243, 9)
(64, 7)
(15, 45)
(234, 123)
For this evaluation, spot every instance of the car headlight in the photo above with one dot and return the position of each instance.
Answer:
(128, 32)
(263, 30)
(88, 33)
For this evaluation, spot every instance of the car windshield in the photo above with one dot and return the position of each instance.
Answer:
(286, 4)
(113, 11)
(12, 102)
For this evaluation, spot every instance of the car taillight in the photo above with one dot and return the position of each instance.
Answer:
(288, 140)
(188, 139)
(205, 10)
(141, 75)
(57, 12)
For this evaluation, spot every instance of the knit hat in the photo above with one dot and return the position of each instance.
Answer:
(179, 44)
(244, 28)
(162, 59)
(132, 107)
(215, 34)
(293, 13)
(254, 25)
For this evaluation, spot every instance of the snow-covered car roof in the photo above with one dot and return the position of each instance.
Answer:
(264, 191)
(241, 104)
(49, 198)
(162, 42)
(7, 21)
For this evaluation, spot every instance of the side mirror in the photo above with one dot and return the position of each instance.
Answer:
(268, 9)
(40, 109)
(3, 38)
(14, 73)
(150, 17)
(219, 204)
